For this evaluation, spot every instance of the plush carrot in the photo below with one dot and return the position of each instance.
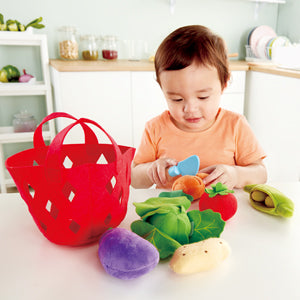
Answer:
(190, 184)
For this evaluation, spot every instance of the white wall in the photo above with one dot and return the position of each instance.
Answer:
(147, 19)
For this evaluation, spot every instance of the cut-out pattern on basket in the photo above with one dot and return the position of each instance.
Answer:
(52, 209)
(107, 219)
(102, 160)
(31, 191)
(111, 184)
(69, 191)
(74, 226)
(67, 163)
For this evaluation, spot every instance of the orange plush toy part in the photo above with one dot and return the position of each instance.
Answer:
(191, 185)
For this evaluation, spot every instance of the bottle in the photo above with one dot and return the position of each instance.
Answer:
(24, 122)
(68, 45)
(89, 49)
(109, 47)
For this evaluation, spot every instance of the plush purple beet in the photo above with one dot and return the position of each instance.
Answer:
(125, 255)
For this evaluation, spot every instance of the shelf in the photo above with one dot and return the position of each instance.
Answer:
(7, 135)
(20, 38)
(18, 88)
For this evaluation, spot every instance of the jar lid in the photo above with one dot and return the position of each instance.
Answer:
(23, 115)
(109, 38)
(88, 37)
(67, 28)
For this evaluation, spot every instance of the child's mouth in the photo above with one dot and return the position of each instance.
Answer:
(193, 120)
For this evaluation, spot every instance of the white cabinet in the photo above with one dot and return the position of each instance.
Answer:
(234, 94)
(25, 89)
(123, 101)
(104, 97)
(272, 107)
(148, 101)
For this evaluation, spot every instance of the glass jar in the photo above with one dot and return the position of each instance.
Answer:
(68, 45)
(109, 47)
(24, 122)
(89, 48)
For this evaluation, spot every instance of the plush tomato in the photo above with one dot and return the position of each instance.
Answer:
(219, 199)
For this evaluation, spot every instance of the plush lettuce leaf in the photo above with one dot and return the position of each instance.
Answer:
(165, 245)
(176, 224)
(177, 193)
(205, 224)
(160, 205)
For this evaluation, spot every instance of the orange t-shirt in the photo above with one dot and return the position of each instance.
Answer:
(229, 141)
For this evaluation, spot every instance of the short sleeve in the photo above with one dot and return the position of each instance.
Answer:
(248, 150)
(146, 151)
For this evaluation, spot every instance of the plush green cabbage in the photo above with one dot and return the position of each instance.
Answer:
(167, 224)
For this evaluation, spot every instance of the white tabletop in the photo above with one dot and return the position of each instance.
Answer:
(264, 263)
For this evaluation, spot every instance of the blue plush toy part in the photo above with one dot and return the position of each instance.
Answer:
(189, 166)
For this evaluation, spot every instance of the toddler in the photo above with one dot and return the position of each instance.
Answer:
(192, 70)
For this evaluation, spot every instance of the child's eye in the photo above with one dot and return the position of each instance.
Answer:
(177, 100)
(203, 98)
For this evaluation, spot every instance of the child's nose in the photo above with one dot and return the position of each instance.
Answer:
(191, 106)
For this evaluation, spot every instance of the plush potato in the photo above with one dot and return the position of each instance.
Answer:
(200, 256)
(125, 255)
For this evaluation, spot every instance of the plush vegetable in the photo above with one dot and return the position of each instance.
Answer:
(9, 73)
(269, 200)
(125, 255)
(201, 256)
(192, 185)
(25, 77)
(167, 224)
(219, 199)
(168, 215)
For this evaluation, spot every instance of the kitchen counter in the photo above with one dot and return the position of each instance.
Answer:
(264, 263)
(145, 65)
(272, 69)
(119, 65)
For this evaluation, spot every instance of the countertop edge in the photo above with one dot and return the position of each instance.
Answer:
(146, 65)
(120, 65)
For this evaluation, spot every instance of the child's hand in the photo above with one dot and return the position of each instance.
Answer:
(220, 173)
(157, 171)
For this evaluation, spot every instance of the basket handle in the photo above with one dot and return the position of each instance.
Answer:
(54, 158)
(38, 140)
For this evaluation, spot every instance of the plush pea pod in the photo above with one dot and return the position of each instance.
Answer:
(269, 200)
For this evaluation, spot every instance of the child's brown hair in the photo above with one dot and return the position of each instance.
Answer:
(188, 44)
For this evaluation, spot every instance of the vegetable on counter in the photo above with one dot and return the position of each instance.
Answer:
(15, 25)
(199, 257)
(167, 224)
(125, 255)
(219, 199)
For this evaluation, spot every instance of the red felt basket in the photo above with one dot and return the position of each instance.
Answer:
(73, 205)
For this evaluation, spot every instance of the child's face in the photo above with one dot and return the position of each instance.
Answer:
(193, 96)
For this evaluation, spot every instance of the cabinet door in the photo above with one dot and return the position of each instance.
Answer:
(234, 94)
(101, 96)
(272, 109)
(148, 101)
